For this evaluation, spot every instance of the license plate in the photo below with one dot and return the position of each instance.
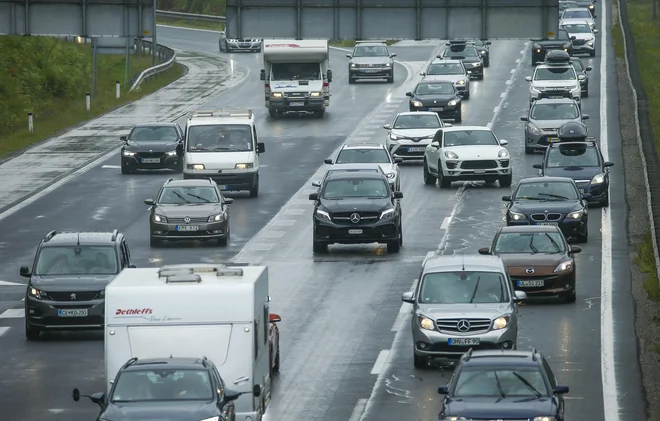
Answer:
(187, 227)
(416, 149)
(479, 171)
(551, 224)
(355, 232)
(555, 97)
(553, 139)
(297, 103)
(370, 70)
(151, 160)
(463, 341)
(529, 283)
(435, 109)
(78, 312)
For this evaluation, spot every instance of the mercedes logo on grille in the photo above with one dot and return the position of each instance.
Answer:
(73, 296)
(186, 219)
(529, 270)
(463, 325)
(371, 65)
(355, 218)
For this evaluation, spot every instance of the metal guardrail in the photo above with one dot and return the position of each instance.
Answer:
(168, 57)
(190, 16)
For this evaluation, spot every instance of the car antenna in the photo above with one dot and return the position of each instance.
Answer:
(78, 239)
(463, 260)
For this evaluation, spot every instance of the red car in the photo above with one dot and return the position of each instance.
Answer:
(274, 341)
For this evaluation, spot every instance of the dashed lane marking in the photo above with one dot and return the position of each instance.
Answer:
(275, 234)
(261, 246)
(13, 313)
(114, 167)
(4, 330)
(284, 222)
(294, 212)
(503, 94)
(7, 283)
(513, 70)
(380, 361)
(445, 223)
(358, 410)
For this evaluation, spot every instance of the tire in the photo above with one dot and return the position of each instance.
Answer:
(585, 94)
(179, 166)
(276, 367)
(319, 248)
(605, 202)
(569, 297)
(459, 117)
(395, 246)
(506, 180)
(225, 240)
(153, 242)
(583, 238)
(529, 151)
(319, 113)
(31, 333)
(273, 113)
(486, 63)
(419, 362)
(391, 78)
(125, 170)
(592, 54)
(444, 182)
(429, 179)
(351, 80)
(467, 95)
(480, 77)
(254, 191)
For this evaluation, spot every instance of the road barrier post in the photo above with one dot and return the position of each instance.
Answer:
(88, 101)
(30, 123)
(117, 89)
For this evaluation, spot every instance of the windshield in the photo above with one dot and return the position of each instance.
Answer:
(501, 382)
(355, 187)
(465, 52)
(76, 260)
(565, 111)
(159, 133)
(446, 69)
(548, 191)
(435, 89)
(573, 156)
(562, 34)
(567, 5)
(576, 14)
(470, 138)
(555, 73)
(220, 138)
(363, 156)
(578, 28)
(529, 242)
(412, 121)
(183, 195)
(463, 287)
(373, 51)
(295, 71)
(162, 385)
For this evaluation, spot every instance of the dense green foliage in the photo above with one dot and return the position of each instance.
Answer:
(35, 72)
(203, 7)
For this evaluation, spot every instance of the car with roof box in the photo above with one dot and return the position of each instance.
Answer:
(451, 70)
(467, 54)
(439, 96)
(545, 117)
(462, 302)
(555, 78)
(503, 385)
(152, 146)
(66, 286)
(541, 47)
(370, 154)
(371, 60)
(411, 132)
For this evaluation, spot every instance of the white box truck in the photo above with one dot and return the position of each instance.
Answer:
(195, 310)
(296, 76)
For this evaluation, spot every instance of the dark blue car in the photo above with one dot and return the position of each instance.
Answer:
(582, 162)
(503, 384)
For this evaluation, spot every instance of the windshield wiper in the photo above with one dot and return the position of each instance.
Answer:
(554, 195)
(333, 198)
(476, 287)
(377, 197)
(531, 246)
(554, 243)
(199, 197)
(225, 148)
(529, 198)
(499, 385)
(528, 384)
(181, 197)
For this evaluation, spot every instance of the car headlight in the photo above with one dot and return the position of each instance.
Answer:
(575, 215)
(171, 153)
(564, 267)
(315, 94)
(503, 154)
(388, 65)
(501, 322)
(216, 218)
(483, 52)
(276, 94)
(353, 65)
(451, 155)
(196, 166)
(35, 293)
(567, 45)
(461, 82)
(517, 216)
(416, 104)
(533, 129)
(395, 136)
(390, 175)
(387, 214)
(598, 179)
(159, 218)
(535, 89)
(244, 166)
(590, 43)
(476, 64)
(216, 418)
(591, 6)
(426, 323)
(545, 419)
(576, 88)
(452, 102)
(127, 153)
(322, 215)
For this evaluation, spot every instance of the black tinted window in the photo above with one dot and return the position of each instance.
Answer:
(363, 156)
(355, 187)
(147, 133)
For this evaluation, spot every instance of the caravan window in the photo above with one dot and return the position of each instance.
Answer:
(162, 384)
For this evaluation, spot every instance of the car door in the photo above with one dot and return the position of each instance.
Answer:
(432, 151)
(553, 383)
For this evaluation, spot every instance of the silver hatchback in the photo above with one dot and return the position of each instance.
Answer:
(461, 303)
(545, 117)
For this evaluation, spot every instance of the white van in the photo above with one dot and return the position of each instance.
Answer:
(223, 145)
(194, 310)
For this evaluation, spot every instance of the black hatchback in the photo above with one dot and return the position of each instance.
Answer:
(436, 96)
(152, 146)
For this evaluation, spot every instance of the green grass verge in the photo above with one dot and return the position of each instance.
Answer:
(194, 24)
(617, 34)
(51, 80)
(646, 263)
(349, 43)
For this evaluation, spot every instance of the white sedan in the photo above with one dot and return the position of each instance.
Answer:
(577, 15)
(467, 153)
(411, 132)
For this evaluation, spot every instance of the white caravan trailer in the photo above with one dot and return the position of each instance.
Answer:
(297, 75)
(194, 310)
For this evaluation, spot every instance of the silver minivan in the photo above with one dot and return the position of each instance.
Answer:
(462, 302)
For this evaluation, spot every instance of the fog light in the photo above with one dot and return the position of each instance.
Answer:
(567, 286)
(31, 311)
(507, 345)
(158, 232)
(216, 232)
(422, 345)
(530, 140)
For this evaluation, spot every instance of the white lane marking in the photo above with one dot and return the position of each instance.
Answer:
(607, 368)
(7, 283)
(358, 410)
(380, 361)
(503, 94)
(114, 167)
(518, 60)
(445, 223)
(509, 86)
(496, 110)
(522, 52)
(13, 313)
(508, 82)
(57, 410)
(4, 330)
(513, 70)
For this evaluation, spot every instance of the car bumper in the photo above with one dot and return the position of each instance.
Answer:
(191, 231)
(297, 104)
(445, 111)
(137, 162)
(236, 181)
(540, 141)
(243, 47)
(475, 71)
(543, 286)
(329, 233)
(570, 228)
(453, 171)
(379, 73)
(584, 48)
(598, 192)
(461, 89)
(435, 344)
(408, 151)
(575, 95)
(45, 315)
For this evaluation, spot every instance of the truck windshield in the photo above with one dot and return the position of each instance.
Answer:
(220, 138)
(162, 385)
(76, 260)
(296, 71)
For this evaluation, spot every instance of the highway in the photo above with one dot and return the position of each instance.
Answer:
(345, 336)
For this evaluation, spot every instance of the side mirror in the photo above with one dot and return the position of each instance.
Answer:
(398, 195)
(595, 30)
(448, 125)
(262, 74)
(274, 318)
(256, 390)
(443, 390)
(228, 201)
(329, 76)
(398, 160)
(573, 38)
(560, 390)
(582, 77)
(313, 196)
(387, 127)
(504, 142)
(586, 116)
(528, 78)
(608, 164)
(75, 395)
(409, 94)
(316, 184)
(519, 296)
(408, 297)
(393, 55)
(435, 144)
(123, 138)
(97, 398)
(586, 196)
(328, 161)
(538, 166)
(349, 55)
(588, 69)
(25, 272)
(149, 202)
(423, 74)
(576, 249)
(523, 118)
(506, 198)
(488, 43)
(484, 250)
(230, 397)
(261, 147)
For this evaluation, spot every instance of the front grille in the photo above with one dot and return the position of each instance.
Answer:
(363, 215)
(295, 94)
(478, 165)
(372, 66)
(540, 217)
(244, 45)
(451, 325)
(553, 130)
(579, 41)
(192, 220)
(67, 296)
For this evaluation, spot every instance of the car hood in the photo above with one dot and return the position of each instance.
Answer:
(151, 146)
(485, 310)
(52, 283)
(414, 133)
(160, 411)
(356, 205)
(496, 408)
(448, 78)
(576, 173)
(371, 60)
(528, 260)
(475, 152)
(435, 99)
(550, 124)
(219, 160)
(575, 21)
(538, 206)
(555, 83)
(582, 35)
(193, 210)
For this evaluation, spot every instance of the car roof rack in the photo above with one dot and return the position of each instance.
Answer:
(191, 273)
(372, 41)
(115, 233)
(205, 361)
(50, 235)
(457, 42)
(129, 363)
(221, 114)
(590, 142)
(534, 354)
(169, 180)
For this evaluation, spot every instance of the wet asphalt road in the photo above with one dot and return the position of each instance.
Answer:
(343, 310)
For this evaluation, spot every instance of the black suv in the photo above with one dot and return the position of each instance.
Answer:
(584, 163)
(151, 146)
(190, 388)
(503, 384)
(356, 208)
(66, 288)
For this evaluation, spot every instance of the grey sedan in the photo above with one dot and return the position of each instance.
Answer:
(545, 117)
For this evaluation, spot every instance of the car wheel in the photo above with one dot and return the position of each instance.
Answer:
(429, 178)
(570, 297)
(225, 240)
(605, 202)
(394, 246)
(179, 165)
(444, 182)
(467, 94)
(351, 80)
(592, 54)
(319, 247)
(31, 333)
(480, 77)
(391, 78)
(486, 63)
(153, 242)
(585, 93)
(529, 151)
(276, 366)
(582, 238)
(319, 113)
(459, 117)
(506, 180)
(254, 191)
(125, 170)
(419, 362)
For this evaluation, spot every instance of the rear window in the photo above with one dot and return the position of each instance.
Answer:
(363, 156)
